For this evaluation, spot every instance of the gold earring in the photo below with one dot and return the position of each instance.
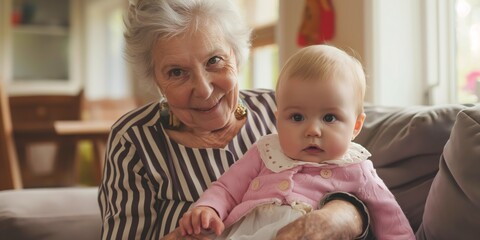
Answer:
(174, 121)
(168, 119)
(241, 110)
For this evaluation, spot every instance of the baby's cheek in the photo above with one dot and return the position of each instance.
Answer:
(338, 150)
(289, 150)
(290, 146)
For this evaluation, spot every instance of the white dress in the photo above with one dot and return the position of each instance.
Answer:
(263, 222)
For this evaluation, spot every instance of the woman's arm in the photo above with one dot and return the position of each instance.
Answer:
(127, 201)
(338, 218)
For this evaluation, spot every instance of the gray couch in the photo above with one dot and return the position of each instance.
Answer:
(428, 156)
(50, 214)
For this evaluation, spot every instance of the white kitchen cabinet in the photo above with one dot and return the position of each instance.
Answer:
(40, 46)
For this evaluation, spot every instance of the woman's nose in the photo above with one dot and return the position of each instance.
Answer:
(203, 86)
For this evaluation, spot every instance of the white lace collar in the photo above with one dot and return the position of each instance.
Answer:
(275, 160)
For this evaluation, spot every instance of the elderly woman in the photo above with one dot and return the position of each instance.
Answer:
(162, 156)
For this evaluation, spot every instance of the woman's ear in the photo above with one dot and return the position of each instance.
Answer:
(358, 125)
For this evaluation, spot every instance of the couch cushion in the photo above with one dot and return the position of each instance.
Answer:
(452, 210)
(406, 143)
(59, 213)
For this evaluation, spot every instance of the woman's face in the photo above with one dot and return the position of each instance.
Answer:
(197, 73)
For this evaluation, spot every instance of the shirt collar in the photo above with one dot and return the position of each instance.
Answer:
(275, 160)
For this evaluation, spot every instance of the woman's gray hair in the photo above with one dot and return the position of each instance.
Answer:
(151, 20)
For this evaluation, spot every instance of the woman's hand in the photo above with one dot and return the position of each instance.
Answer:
(338, 219)
(200, 218)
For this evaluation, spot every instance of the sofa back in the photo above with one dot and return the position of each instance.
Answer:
(406, 144)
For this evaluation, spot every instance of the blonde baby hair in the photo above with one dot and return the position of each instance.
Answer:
(321, 62)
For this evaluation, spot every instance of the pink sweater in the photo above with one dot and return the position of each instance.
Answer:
(249, 183)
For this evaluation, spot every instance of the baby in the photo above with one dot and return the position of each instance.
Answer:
(283, 176)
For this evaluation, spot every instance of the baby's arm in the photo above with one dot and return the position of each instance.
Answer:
(222, 196)
(198, 218)
(388, 219)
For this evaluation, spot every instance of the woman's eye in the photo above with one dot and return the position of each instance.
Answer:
(297, 117)
(214, 60)
(329, 118)
(177, 72)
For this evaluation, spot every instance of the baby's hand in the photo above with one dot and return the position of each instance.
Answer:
(198, 218)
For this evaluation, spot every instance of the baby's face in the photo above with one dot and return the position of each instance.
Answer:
(316, 119)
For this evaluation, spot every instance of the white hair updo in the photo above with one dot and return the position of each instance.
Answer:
(148, 21)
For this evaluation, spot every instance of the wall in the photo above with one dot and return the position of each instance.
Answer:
(349, 32)
(387, 36)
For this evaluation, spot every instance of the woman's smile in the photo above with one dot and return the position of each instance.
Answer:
(210, 108)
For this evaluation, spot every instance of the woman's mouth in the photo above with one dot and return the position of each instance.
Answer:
(207, 109)
(210, 108)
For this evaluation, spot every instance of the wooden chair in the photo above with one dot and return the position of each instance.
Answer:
(33, 118)
(10, 177)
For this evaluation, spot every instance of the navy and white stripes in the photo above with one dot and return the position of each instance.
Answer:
(150, 180)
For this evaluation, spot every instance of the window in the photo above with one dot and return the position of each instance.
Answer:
(262, 68)
(458, 50)
(107, 74)
(468, 50)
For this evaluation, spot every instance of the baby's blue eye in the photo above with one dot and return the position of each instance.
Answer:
(329, 118)
(296, 117)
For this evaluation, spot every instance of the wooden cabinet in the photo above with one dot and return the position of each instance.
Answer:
(40, 46)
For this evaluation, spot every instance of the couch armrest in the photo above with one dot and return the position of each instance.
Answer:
(55, 213)
(452, 209)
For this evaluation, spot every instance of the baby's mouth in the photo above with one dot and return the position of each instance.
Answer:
(313, 149)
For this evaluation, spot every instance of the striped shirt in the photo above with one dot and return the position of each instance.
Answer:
(150, 180)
